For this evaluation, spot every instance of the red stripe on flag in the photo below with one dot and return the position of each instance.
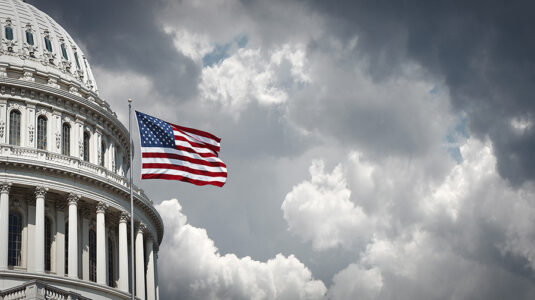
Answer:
(196, 131)
(181, 178)
(197, 145)
(183, 168)
(184, 158)
(186, 149)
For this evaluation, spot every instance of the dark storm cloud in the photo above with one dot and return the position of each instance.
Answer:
(126, 36)
(484, 50)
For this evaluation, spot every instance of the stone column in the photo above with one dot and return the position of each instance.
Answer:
(151, 289)
(39, 249)
(73, 235)
(30, 240)
(4, 224)
(85, 243)
(123, 252)
(101, 244)
(60, 238)
(140, 263)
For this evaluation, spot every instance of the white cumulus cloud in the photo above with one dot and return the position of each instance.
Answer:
(194, 269)
(319, 210)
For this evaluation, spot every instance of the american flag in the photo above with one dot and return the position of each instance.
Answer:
(174, 152)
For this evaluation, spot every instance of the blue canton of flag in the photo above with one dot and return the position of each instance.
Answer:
(155, 132)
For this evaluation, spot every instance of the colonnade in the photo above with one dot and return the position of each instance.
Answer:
(144, 270)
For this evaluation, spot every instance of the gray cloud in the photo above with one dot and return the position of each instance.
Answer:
(483, 50)
(127, 36)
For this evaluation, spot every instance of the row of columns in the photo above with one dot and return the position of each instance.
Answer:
(143, 281)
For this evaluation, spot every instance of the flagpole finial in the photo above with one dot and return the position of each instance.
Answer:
(129, 100)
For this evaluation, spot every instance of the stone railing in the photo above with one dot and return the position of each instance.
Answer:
(71, 163)
(15, 293)
(36, 289)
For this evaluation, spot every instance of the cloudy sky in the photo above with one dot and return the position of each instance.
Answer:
(376, 149)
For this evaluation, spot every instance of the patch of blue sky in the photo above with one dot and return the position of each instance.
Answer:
(223, 51)
(455, 137)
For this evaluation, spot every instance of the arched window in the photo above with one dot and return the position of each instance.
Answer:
(66, 134)
(76, 59)
(111, 276)
(103, 153)
(64, 51)
(86, 146)
(48, 243)
(41, 132)
(48, 44)
(9, 33)
(14, 127)
(92, 255)
(66, 248)
(29, 38)
(15, 239)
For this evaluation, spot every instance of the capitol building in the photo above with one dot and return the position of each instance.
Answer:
(64, 157)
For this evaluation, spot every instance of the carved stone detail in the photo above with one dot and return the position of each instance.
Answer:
(101, 207)
(81, 146)
(5, 187)
(53, 82)
(27, 76)
(141, 228)
(40, 191)
(73, 198)
(58, 140)
(124, 217)
(2, 128)
(31, 130)
(74, 90)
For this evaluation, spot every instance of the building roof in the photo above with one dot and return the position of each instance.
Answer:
(33, 40)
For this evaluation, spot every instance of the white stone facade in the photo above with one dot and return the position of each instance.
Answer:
(64, 155)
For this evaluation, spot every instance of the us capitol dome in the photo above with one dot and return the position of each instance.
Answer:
(64, 156)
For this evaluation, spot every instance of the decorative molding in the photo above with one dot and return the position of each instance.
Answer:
(5, 187)
(40, 191)
(73, 198)
(141, 228)
(124, 217)
(53, 82)
(101, 207)
(27, 76)
(58, 140)
(81, 146)
(31, 130)
(74, 90)
(2, 128)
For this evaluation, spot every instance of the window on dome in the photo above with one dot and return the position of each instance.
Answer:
(92, 255)
(111, 276)
(41, 132)
(15, 239)
(48, 44)
(76, 59)
(66, 134)
(9, 33)
(48, 243)
(86, 146)
(64, 51)
(29, 38)
(14, 127)
(103, 153)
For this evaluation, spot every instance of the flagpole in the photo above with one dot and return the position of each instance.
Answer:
(131, 199)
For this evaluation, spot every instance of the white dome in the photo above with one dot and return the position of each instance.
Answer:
(53, 53)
